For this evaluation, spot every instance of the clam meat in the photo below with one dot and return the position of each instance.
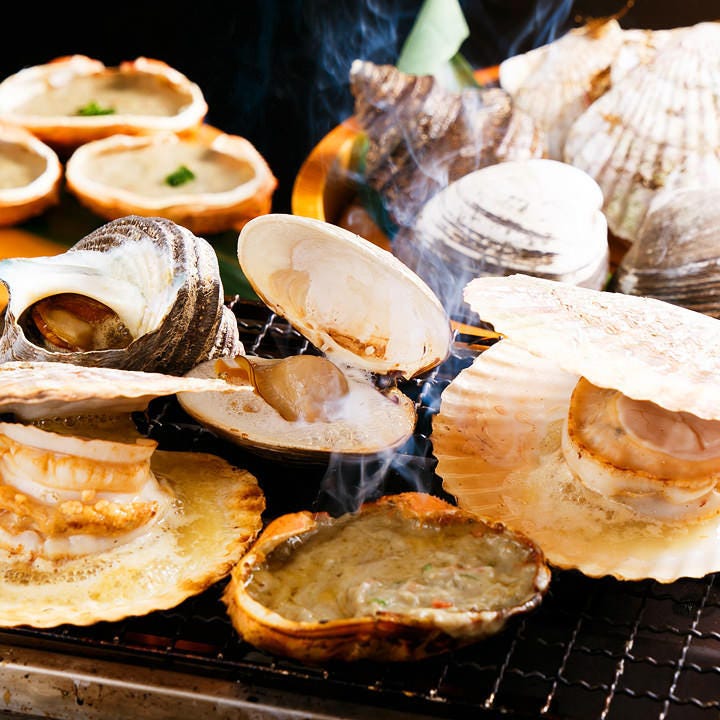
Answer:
(597, 413)
(136, 294)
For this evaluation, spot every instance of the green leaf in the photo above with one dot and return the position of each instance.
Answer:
(92, 108)
(180, 176)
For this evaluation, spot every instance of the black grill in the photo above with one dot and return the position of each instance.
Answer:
(593, 649)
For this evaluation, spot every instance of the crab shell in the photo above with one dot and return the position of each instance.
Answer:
(30, 178)
(170, 101)
(127, 175)
(386, 635)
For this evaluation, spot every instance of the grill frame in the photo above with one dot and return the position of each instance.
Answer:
(595, 648)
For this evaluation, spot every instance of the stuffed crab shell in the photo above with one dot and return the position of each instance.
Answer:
(597, 414)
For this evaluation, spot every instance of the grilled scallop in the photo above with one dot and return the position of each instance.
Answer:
(403, 578)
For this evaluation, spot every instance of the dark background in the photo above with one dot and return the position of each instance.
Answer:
(276, 71)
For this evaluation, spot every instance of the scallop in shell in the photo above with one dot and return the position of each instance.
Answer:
(206, 181)
(96, 523)
(675, 257)
(659, 120)
(422, 136)
(537, 217)
(596, 413)
(76, 99)
(137, 294)
(30, 175)
(555, 83)
(365, 311)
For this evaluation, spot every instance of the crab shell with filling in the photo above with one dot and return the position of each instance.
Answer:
(597, 415)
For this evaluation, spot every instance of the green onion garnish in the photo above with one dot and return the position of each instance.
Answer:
(180, 176)
(92, 108)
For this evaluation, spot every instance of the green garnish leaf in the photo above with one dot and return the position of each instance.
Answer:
(180, 176)
(427, 567)
(379, 601)
(92, 108)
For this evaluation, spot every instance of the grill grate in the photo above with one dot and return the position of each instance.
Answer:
(593, 649)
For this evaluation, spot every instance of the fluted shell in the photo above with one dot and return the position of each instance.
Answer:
(30, 175)
(497, 436)
(555, 83)
(162, 282)
(422, 136)
(659, 122)
(676, 256)
(537, 217)
(75, 99)
(206, 181)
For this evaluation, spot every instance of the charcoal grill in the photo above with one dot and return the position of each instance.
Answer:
(594, 649)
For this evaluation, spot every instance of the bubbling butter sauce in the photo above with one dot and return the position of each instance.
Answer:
(366, 563)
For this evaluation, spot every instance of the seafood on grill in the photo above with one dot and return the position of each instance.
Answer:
(403, 578)
(136, 294)
(75, 99)
(537, 217)
(30, 175)
(205, 180)
(656, 127)
(676, 256)
(95, 522)
(367, 315)
(597, 413)
(421, 136)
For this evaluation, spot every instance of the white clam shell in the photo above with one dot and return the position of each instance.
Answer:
(538, 217)
(660, 119)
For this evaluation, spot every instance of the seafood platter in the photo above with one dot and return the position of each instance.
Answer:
(423, 470)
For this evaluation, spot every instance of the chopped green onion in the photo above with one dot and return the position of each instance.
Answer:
(427, 567)
(180, 176)
(92, 108)
(379, 601)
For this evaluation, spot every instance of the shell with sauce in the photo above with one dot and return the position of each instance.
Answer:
(30, 175)
(597, 413)
(137, 294)
(404, 578)
(206, 181)
(75, 99)
(96, 523)
(368, 315)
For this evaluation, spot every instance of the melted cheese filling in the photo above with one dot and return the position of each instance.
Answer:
(660, 463)
(19, 166)
(377, 562)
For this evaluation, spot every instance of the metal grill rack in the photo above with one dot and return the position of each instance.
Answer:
(593, 649)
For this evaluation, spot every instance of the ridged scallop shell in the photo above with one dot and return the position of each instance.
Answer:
(555, 83)
(497, 435)
(161, 280)
(422, 136)
(660, 120)
(537, 217)
(676, 256)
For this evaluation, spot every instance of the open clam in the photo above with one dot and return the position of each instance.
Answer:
(137, 294)
(403, 578)
(205, 181)
(365, 311)
(95, 522)
(30, 175)
(597, 413)
(75, 99)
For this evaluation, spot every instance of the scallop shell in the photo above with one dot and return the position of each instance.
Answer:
(30, 175)
(150, 97)
(515, 396)
(422, 136)
(124, 175)
(676, 257)
(660, 119)
(385, 634)
(555, 83)
(538, 217)
(161, 280)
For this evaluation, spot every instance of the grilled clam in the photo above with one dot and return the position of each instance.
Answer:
(403, 578)
(97, 524)
(137, 294)
(597, 413)
(206, 181)
(75, 99)
(365, 311)
(538, 217)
